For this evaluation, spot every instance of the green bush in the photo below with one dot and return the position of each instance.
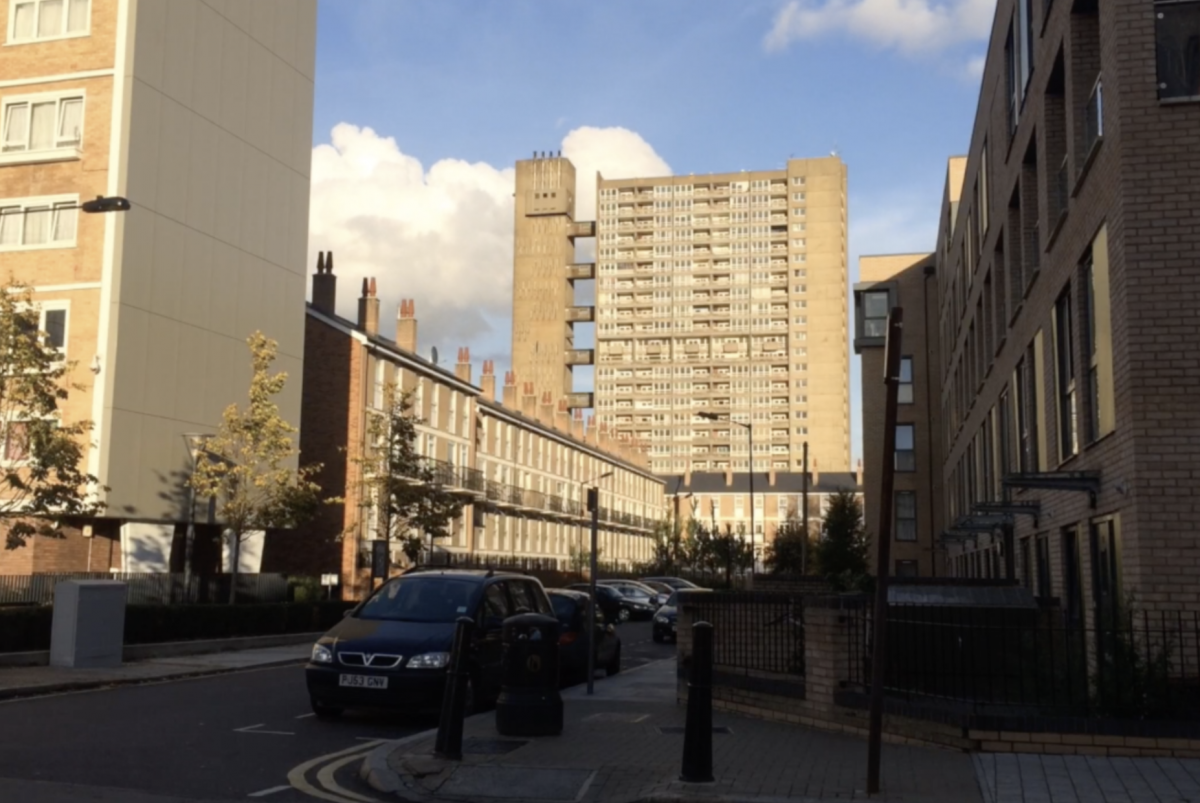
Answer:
(29, 628)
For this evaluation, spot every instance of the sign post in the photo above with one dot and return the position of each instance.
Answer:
(380, 561)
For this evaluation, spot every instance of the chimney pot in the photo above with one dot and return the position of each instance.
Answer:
(368, 309)
(324, 285)
(406, 326)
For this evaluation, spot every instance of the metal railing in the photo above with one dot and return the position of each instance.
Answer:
(754, 632)
(1031, 663)
(149, 588)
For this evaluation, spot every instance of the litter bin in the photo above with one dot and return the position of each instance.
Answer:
(529, 702)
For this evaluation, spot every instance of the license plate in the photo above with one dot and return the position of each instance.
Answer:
(363, 681)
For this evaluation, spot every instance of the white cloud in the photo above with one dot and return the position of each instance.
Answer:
(441, 235)
(910, 26)
(975, 67)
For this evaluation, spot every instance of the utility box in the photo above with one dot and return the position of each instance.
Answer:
(88, 630)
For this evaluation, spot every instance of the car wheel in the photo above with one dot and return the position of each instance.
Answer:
(614, 665)
(623, 615)
(324, 711)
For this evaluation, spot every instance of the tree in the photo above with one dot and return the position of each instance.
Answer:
(669, 548)
(407, 490)
(42, 486)
(844, 547)
(729, 551)
(579, 561)
(788, 553)
(244, 467)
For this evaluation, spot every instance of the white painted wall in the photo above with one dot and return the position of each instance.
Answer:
(146, 547)
(216, 152)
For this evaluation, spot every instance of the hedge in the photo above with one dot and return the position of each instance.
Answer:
(28, 628)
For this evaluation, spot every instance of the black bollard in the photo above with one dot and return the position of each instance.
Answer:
(697, 735)
(450, 726)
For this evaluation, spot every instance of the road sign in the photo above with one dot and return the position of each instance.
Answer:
(329, 579)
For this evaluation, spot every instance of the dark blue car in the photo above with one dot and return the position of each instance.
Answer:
(392, 651)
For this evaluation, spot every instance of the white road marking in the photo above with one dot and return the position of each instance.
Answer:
(271, 791)
(325, 777)
(255, 729)
(305, 716)
(297, 775)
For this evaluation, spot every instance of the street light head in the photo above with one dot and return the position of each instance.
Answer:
(103, 204)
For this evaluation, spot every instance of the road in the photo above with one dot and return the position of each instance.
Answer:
(227, 737)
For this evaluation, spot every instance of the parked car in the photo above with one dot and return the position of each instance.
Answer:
(661, 588)
(674, 582)
(666, 619)
(392, 650)
(637, 590)
(571, 608)
(616, 606)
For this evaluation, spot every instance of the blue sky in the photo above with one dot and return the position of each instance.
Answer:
(454, 92)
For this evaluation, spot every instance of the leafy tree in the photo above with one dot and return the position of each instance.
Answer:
(580, 560)
(245, 466)
(791, 550)
(42, 486)
(669, 547)
(844, 547)
(409, 492)
(730, 551)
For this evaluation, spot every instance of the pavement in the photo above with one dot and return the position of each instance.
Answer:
(625, 744)
(35, 680)
(1015, 778)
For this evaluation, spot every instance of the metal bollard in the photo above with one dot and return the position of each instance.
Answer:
(450, 726)
(697, 735)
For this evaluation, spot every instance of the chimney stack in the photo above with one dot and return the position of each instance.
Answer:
(463, 369)
(729, 475)
(546, 410)
(816, 474)
(510, 391)
(324, 285)
(529, 400)
(593, 433)
(771, 477)
(687, 476)
(562, 418)
(487, 380)
(858, 479)
(406, 325)
(368, 308)
(577, 425)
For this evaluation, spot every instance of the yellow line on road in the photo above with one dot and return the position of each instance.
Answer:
(325, 777)
(297, 775)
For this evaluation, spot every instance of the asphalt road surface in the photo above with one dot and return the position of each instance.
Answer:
(248, 735)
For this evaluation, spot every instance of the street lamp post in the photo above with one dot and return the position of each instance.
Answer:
(593, 499)
(750, 433)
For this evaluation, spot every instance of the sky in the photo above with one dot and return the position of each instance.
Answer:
(423, 106)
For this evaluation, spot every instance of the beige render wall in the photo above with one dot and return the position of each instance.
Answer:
(216, 162)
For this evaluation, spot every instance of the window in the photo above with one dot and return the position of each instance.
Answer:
(37, 223)
(875, 313)
(1093, 117)
(1073, 588)
(1106, 575)
(53, 323)
(16, 441)
(1044, 587)
(377, 395)
(1064, 361)
(1101, 413)
(43, 123)
(1010, 80)
(906, 568)
(904, 393)
(906, 515)
(906, 456)
(47, 19)
(1176, 30)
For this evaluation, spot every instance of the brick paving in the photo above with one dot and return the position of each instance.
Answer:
(1010, 778)
(615, 735)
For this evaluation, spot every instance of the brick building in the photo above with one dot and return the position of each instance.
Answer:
(200, 113)
(724, 498)
(521, 466)
(1067, 276)
(908, 281)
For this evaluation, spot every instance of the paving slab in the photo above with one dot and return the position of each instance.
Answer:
(1009, 778)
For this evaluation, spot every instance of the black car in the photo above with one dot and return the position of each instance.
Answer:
(638, 591)
(666, 618)
(392, 650)
(676, 583)
(571, 609)
(616, 606)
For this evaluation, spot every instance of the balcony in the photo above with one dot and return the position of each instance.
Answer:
(581, 270)
(581, 314)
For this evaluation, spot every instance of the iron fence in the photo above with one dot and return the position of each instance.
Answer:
(754, 632)
(1142, 665)
(151, 588)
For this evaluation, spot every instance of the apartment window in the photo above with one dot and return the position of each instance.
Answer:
(1176, 31)
(906, 568)
(1093, 117)
(38, 223)
(1106, 574)
(906, 456)
(1101, 418)
(379, 383)
(40, 125)
(906, 515)
(1044, 587)
(31, 20)
(1072, 585)
(16, 441)
(904, 392)
(982, 201)
(1064, 360)
(875, 313)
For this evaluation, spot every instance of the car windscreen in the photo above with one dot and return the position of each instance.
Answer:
(564, 608)
(671, 600)
(413, 599)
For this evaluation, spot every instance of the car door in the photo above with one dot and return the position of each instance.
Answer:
(494, 608)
